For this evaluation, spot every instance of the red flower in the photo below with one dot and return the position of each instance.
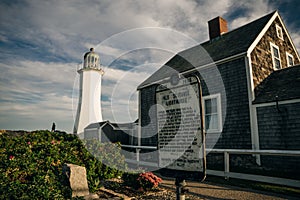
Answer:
(11, 157)
(148, 180)
(29, 143)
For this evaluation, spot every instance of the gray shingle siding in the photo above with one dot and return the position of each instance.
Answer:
(148, 122)
(236, 129)
(279, 130)
(283, 84)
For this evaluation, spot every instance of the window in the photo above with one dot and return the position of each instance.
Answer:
(279, 32)
(212, 113)
(289, 59)
(275, 56)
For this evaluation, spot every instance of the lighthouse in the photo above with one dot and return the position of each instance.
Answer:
(89, 103)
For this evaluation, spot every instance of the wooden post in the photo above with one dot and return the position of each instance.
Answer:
(226, 162)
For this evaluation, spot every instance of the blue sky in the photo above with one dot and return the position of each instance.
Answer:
(42, 43)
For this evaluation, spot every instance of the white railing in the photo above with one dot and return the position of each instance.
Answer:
(226, 173)
(139, 147)
(266, 179)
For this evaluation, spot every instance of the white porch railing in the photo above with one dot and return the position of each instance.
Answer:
(226, 173)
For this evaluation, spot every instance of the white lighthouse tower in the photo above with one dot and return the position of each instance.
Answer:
(89, 103)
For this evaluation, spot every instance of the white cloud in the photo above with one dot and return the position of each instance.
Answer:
(38, 77)
(35, 92)
(252, 11)
(3, 38)
(64, 27)
(120, 88)
(296, 39)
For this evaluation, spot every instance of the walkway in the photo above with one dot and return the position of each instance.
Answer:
(225, 192)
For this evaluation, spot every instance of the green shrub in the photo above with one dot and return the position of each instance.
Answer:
(130, 179)
(31, 164)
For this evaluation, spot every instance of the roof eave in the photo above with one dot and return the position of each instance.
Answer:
(265, 29)
(218, 62)
(262, 33)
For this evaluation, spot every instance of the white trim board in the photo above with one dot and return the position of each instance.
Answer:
(274, 103)
(265, 29)
(224, 60)
(262, 33)
(252, 111)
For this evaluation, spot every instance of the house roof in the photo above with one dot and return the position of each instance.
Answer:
(120, 126)
(123, 126)
(96, 125)
(283, 84)
(229, 44)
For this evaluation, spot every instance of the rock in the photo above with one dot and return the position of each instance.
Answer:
(117, 195)
(91, 197)
(77, 179)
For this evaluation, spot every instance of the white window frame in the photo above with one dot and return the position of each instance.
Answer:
(219, 112)
(273, 57)
(287, 59)
(279, 32)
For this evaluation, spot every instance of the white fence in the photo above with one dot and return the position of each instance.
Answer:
(226, 173)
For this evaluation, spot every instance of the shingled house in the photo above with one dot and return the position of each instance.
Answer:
(106, 131)
(249, 77)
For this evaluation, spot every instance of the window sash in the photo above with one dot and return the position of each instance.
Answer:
(289, 59)
(275, 52)
(212, 113)
(277, 63)
(275, 56)
(212, 122)
(279, 32)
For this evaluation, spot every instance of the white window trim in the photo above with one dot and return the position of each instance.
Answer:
(279, 32)
(219, 110)
(273, 58)
(287, 59)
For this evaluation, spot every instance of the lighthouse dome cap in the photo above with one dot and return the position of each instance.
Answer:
(91, 59)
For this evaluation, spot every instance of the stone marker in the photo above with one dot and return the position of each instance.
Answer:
(77, 179)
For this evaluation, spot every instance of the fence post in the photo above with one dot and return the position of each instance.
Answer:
(226, 162)
(137, 154)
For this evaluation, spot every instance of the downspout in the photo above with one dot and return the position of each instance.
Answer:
(282, 121)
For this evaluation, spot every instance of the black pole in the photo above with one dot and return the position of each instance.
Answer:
(180, 188)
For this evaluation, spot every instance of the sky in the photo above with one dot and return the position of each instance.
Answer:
(42, 44)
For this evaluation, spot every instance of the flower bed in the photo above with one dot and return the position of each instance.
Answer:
(31, 164)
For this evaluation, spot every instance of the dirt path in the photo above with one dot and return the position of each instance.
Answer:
(218, 192)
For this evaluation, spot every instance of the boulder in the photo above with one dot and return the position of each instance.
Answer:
(77, 179)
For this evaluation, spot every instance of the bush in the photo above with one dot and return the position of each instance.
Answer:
(143, 181)
(130, 179)
(148, 181)
(31, 164)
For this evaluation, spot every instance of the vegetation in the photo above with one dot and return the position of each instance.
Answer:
(144, 181)
(32, 162)
(148, 181)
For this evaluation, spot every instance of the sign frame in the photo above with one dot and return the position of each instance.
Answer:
(184, 173)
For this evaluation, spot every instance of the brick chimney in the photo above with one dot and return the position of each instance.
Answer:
(217, 27)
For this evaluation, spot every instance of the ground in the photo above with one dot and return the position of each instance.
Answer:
(207, 190)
